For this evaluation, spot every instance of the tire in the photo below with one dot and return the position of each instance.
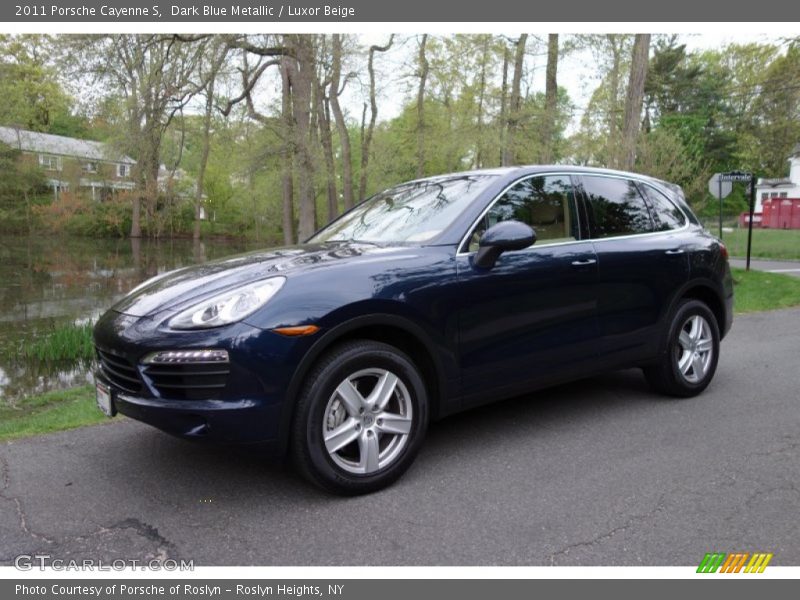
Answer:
(691, 352)
(341, 438)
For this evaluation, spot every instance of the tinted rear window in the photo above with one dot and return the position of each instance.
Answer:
(667, 216)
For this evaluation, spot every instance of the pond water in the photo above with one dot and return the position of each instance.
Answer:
(46, 282)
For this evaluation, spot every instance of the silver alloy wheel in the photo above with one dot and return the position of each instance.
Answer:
(367, 421)
(695, 349)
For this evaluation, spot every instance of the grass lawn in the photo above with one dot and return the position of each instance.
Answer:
(757, 290)
(52, 411)
(767, 243)
(56, 411)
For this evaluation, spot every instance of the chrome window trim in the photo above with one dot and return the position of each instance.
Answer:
(639, 180)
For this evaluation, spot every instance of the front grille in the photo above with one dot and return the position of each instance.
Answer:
(188, 381)
(120, 372)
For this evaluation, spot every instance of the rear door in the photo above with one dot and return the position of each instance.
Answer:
(642, 261)
(532, 316)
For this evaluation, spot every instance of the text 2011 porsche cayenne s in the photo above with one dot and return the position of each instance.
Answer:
(426, 299)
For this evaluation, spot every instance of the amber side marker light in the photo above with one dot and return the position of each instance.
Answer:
(297, 331)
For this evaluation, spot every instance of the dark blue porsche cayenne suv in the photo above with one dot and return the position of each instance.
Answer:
(429, 298)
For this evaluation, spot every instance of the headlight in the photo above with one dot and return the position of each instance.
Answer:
(229, 307)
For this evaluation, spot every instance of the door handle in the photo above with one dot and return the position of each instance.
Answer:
(674, 251)
(584, 263)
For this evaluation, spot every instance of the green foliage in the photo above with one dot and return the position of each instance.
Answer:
(32, 96)
(22, 185)
(70, 342)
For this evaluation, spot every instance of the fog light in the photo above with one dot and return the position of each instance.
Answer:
(164, 357)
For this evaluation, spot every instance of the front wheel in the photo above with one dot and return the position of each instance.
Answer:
(692, 352)
(360, 418)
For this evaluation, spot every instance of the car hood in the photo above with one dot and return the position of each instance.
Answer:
(174, 288)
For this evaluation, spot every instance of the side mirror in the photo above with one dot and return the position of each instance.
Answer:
(501, 237)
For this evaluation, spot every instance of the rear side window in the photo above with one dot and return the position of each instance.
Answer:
(616, 207)
(666, 215)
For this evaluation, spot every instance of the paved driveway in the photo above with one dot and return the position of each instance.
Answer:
(600, 472)
(787, 267)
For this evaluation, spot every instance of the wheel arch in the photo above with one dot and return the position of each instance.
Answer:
(705, 292)
(390, 329)
(711, 298)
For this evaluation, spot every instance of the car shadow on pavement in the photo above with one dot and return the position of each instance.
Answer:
(574, 405)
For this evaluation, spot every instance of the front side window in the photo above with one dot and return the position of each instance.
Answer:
(408, 213)
(666, 215)
(784, 194)
(616, 206)
(123, 170)
(545, 203)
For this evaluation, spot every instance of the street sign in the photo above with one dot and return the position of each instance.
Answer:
(718, 187)
(738, 176)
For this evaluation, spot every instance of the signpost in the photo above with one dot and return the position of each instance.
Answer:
(742, 177)
(719, 189)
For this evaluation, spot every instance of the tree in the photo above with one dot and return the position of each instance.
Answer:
(341, 126)
(208, 76)
(550, 101)
(634, 99)
(515, 103)
(154, 75)
(33, 98)
(424, 69)
(366, 136)
(19, 178)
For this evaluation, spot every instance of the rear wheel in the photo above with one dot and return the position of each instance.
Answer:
(692, 352)
(360, 419)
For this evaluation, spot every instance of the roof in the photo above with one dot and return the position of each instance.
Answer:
(774, 182)
(796, 151)
(46, 143)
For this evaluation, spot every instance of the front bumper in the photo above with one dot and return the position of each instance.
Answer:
(250, 408)
(240, 421)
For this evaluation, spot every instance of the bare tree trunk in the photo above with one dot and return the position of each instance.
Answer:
(515, 104)
(634, 99)
(424, 68)
(201, 170)
(341, 126)
(612, 152)
(550, 100)
(287, 170)
(504, 107)
(478, 162)
(136, 215)
(324, 120)
(301, 75)
(366, 138)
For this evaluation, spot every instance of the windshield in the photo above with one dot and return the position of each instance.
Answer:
(410, 212)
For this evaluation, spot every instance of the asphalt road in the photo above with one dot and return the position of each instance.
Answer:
(786, 267)
(600, 472)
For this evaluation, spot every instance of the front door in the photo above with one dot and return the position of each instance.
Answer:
(533, 314)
